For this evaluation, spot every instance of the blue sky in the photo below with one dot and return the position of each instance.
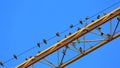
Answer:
(25, 22)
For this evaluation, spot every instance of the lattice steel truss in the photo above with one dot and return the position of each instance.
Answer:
(80, 43)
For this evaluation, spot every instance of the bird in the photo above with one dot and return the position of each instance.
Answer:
(99, 28)
(44, 41)
(98, 17)
(64, 52)
(81, 22)
(118, 17)
(70, 33)
(38, 44)
(102, 33)
(57, 34)
(71, 26)
(67, 46)
(1, 63)
(26, 58)
(92, 21)
(87, 18)
(78, 29)
(80, 50)
(14, 55)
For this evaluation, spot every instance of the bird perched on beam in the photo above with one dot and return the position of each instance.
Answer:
(118, 17)
(92, 21)
(64, 52)
(98, 17)
(78, 29)
(26, 58)
(70, 33)
(99, 28)
(81, 50)
(65, 36)
(102, 33)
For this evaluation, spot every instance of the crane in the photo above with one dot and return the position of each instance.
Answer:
(73, 38)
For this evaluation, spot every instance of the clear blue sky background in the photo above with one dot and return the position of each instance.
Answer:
(25, 22)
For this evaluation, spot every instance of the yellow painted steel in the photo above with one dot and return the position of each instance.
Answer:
(90, 50)
(115, 13)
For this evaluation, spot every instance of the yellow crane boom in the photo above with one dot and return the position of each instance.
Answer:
(71, 38)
